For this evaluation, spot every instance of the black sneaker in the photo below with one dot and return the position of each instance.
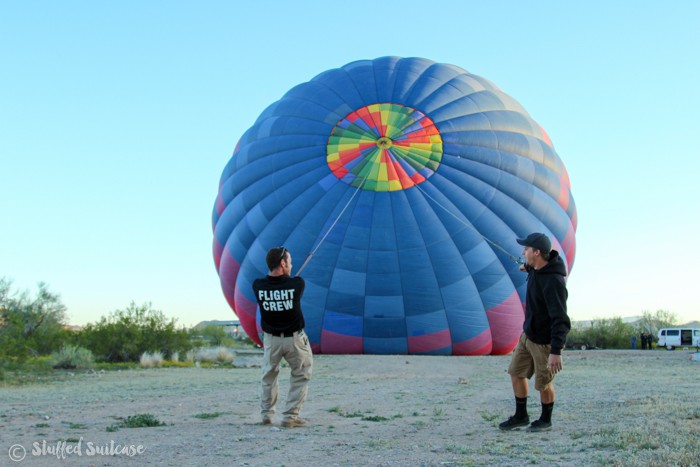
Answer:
(514, 422)
(539, 425)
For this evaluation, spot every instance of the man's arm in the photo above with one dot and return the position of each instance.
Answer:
(555, 295)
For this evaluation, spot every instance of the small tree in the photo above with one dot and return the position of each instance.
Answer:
(652, 322)
(215, 335)
(30, 325)
(126, 334)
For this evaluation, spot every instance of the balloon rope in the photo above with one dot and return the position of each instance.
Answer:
(494, 244)
(308, 258)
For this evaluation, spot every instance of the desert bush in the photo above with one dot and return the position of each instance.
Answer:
(224, 355)
(211, 355)
(142, 420)
(612, 333)
(151, 360)
(126, 334)
(71, 357)
(214, 335)
(31, 325)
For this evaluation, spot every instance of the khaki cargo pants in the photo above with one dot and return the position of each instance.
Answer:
(296, 351)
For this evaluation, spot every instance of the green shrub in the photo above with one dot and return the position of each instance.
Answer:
(126, 334)
(213, 334)
(609, 333)
(31, 325)
(70, 357)
(142, 420)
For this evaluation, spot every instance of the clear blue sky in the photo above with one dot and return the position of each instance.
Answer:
(117, 118)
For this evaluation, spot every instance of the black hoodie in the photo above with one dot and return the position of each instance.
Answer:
(546, 321)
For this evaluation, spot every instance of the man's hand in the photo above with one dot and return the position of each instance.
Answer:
(554, 363)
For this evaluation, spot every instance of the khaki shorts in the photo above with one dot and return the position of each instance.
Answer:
(530, 358)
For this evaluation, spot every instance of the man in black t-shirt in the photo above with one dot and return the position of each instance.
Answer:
(282, 321)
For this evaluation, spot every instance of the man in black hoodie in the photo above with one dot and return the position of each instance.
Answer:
(544, 332)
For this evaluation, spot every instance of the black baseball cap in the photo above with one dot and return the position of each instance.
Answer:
(538, 241)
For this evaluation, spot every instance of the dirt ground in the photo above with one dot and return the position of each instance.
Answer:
(612, 408)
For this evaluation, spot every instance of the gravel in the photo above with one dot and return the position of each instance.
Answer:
(612, 408)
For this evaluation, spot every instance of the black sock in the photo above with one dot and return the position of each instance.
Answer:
(520, 407)
(547, 412)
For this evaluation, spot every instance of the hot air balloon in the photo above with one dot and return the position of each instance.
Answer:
(401, 184)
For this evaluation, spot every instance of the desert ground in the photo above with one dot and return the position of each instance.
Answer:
(613, 408)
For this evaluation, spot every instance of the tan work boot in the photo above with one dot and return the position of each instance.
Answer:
(295, 423)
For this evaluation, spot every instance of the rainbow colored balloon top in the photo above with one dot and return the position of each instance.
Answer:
(384, 147)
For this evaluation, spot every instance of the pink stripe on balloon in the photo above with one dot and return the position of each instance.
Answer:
(429, 342)
(334, 343)
(219, 205)
(245, 310)
(506, 322)
(479, 345)
(567, 249)
(564, 197)
(228, 272)
(242, 307)
(569, 246)
(218, 251)
(545, 136)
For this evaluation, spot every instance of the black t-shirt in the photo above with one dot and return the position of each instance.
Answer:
(279, 299)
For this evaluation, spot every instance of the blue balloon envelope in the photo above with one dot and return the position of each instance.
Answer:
(404, 183)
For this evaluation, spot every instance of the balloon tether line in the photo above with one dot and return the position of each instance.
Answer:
(491, 242)
(308, 258)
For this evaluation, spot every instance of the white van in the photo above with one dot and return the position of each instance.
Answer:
(678, 337)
